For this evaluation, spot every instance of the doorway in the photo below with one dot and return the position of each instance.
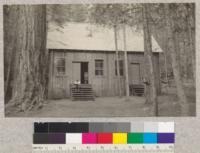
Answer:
(80, 72)
(84, 72)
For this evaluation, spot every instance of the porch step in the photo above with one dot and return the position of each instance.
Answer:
(137, 89)
(82, 92)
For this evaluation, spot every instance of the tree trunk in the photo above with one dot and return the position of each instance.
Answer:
(172, 42)
(9, 46)
(166, 68)
(126, 62)
(191, 37)
(27, 72)
(151, 93)
(117, 60)
(185, 53)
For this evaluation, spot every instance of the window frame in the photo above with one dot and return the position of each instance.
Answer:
(99, 68)
(58, 66)
(121, 67)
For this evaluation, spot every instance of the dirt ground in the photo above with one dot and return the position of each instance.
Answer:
(134, 106)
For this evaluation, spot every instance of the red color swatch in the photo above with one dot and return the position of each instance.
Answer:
(104, 138)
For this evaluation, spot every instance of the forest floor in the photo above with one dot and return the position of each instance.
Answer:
(134, 106)
(101, 107)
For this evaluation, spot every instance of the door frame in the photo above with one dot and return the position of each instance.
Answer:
(80, 67)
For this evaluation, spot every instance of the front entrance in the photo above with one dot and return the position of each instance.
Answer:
(80, 72)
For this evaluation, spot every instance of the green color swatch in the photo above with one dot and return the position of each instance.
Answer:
(135, 138)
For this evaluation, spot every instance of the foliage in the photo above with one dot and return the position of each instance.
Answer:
(115, 14)
(60, 14)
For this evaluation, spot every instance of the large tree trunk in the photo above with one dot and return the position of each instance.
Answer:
(26, 57)
(191, 36)
(173, 47)
(151, 96)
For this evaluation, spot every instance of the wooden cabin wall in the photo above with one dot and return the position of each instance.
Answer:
(106, 85)
(102, 85)
(58, 84)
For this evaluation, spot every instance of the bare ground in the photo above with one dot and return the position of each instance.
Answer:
(132, 106)
(114, 106)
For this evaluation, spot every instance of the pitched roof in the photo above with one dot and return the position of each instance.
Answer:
(86, 36)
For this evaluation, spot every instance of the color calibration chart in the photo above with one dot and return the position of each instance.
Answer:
(104, 137)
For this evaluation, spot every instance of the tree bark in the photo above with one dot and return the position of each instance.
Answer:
(117, 60)
(9, 46)
(126, 62)
(172, 43)
(191, 37)
(151, 93)
(27, 72)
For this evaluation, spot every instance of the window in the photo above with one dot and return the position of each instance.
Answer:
(98, 67)
(121, 67)
(60, 66)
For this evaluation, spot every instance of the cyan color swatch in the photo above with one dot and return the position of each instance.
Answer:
(150, 138)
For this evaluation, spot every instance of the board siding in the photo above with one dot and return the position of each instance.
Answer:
(106, 85)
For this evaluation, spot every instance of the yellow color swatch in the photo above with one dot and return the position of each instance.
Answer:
(119, 138)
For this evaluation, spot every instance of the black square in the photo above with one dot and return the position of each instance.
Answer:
(40, 127)
(58, 127)
(78, 127)
(40, 138)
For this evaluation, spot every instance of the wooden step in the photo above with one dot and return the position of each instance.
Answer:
(83, 92)
(137, 89)
(83, 99)
(91, 95)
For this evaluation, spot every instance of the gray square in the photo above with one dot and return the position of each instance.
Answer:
(137, 127)
(96, 127)
(151, 127)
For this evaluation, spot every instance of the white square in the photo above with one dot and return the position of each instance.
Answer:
(166, 127)
(73, 138)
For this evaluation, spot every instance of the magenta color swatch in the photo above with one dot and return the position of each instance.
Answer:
(89, 138)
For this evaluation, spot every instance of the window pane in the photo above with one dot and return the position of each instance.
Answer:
(121, 72)
(98, 67)
(101, 64)
(61, 62)
(60, 66)
(61, 69)
(115, 67)
(121, 64)
(101, 72)
(96, 72)
(121, 67)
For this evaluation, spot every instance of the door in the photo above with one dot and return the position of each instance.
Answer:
(76, 72)
(84, 73)
(134, 73)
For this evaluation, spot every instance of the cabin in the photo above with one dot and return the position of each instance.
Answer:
(87, 52)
